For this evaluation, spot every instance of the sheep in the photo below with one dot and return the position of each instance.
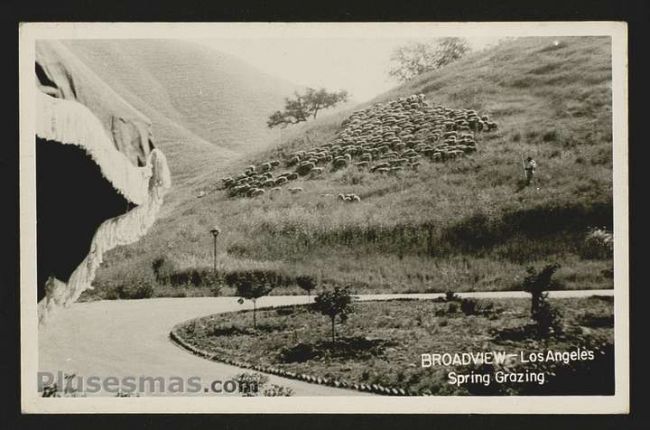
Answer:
(293, 161)
(468, 149)
(409, 153)
(458, 153)
(295, 190)
(305, 168)
(361, 164)
(340, 163)
(349, 197)
(389, 155)
(379, 166)
(400, 131)
(228, 182)
(255, 192)
(241, 189)
(366, 156)
(316, 171)
(281, 180)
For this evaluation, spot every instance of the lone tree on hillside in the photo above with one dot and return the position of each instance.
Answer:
(415, 58)
(333, 303)
(305, 106)
(250, 286)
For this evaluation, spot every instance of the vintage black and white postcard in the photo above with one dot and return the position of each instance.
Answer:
(324, 217)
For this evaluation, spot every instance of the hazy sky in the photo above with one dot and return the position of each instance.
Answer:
(359, 65)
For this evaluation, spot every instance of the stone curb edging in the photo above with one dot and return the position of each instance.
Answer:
(369, 388)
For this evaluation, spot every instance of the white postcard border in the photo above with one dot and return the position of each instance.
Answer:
(32, 403)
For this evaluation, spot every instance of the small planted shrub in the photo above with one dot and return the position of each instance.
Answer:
(590, 319)
(285, 311)
(254, 384)
(215, 290)
(474, 307)
(598, 244)
(469, 306)
(144, 291)
(299, 353)
(307, 283)
(228, 331)
(250, 384)
(278, 391)
(163, 268)
(198, 277)
(130, 289)
(451, 296)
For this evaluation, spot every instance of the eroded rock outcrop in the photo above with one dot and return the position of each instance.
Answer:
(100, 179)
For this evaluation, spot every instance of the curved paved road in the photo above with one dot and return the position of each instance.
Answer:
(131, 337)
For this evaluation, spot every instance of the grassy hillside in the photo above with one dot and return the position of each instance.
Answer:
(207, 107)
(468, 224)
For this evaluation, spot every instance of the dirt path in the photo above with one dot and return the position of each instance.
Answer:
(131, 337)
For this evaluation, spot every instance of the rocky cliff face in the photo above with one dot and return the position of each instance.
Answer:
(100, 178)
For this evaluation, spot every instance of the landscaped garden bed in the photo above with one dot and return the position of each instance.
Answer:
(379, 348)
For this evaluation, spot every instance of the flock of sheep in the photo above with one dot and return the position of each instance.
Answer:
(385, 138)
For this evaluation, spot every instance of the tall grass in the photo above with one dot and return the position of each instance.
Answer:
(412, 231)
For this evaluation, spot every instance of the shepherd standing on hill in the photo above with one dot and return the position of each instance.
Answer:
(529, 170)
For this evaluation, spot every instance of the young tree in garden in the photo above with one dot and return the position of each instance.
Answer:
(538, 284)
(250, 286)
(307, 283)
(333, 303)
(415, 58)
(306, 105)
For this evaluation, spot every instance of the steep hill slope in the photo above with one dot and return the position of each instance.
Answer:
(207, 107)
(466, 224)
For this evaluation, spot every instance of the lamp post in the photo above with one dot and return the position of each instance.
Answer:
(215, 232)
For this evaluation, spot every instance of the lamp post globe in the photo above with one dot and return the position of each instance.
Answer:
(214, 231)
